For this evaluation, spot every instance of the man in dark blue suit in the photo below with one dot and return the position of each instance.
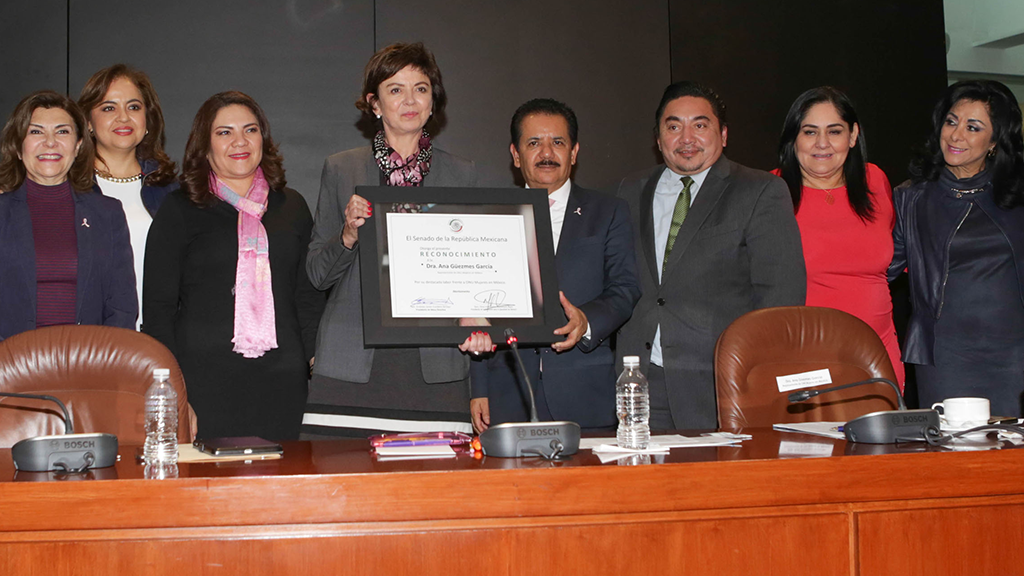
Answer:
(574, 379)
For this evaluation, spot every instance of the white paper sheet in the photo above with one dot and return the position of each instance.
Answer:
(804, 380)
(826, 429)
(662, 442)
(458, 266)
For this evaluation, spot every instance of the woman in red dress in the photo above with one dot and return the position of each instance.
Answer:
(844, 210)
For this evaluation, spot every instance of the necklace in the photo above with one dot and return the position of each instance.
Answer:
(829, 198)
(960, 193)
(117, 180)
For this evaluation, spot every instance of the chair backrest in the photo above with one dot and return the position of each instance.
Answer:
(101, 373)
(771, 342)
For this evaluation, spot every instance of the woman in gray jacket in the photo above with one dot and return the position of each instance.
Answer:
(357, 391)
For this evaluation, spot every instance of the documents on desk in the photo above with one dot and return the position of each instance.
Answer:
(607, 450)
(984, 441)
(827, 429)
(414, 452)
(661, 444)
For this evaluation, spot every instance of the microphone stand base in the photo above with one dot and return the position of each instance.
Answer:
(892, 426)
(68, 452)
(523, 439)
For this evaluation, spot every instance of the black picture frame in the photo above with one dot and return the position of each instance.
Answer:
(382, 330)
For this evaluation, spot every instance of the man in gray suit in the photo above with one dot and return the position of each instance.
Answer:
(714, 240)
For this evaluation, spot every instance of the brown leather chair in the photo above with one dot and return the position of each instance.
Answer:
(770, 342)
(101, 373)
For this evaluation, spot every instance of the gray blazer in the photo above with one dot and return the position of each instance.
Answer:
(738, 250)
(340, 353)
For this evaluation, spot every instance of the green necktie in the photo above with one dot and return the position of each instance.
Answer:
(678, 215)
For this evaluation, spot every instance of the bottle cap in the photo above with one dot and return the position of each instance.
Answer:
(630, 360)
(161, 373)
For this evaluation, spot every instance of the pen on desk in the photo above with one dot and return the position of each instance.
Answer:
(408, 439)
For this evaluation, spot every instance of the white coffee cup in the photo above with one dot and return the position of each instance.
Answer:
(964, 412)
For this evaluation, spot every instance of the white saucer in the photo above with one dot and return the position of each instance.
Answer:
(947, 428)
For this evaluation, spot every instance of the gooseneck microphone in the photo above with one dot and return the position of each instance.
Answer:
(513, 342)
(68, 453)
(549, 440)
(884, 427)
(69, 426)
(801, 395)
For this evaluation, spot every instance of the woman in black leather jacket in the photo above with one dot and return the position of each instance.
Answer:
(960, 235)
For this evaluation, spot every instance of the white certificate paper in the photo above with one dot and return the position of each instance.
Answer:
(458, 266)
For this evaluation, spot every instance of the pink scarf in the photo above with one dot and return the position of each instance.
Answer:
(255, 327)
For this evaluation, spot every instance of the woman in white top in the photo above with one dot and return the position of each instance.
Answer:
(127, 129)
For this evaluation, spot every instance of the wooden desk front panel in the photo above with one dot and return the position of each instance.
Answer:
(330, 508)
(954, 538)
(646, 544)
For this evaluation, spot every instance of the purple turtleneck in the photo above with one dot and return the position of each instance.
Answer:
(52, 210)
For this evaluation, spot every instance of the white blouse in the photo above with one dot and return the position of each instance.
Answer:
(139, 220)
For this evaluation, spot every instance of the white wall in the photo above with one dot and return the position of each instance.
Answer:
(985, 39)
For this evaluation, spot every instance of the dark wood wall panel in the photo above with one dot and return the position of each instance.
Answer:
(34, 55)
(888, 55)
(605, 58)
(302, 60)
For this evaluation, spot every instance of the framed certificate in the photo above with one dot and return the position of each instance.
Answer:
(437, 264)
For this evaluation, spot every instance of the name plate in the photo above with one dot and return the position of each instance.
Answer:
(804, 380)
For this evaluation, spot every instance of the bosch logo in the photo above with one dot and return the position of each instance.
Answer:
(455, 225)
(896, 420)
(544, 432)
(521, 433)
(915, 419)
(79, 445)
(54, 444)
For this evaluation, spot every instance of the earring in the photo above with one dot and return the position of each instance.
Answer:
(992, 153)
(147, 133)
(378, 116)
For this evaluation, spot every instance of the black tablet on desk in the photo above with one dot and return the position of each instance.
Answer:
(238, 446)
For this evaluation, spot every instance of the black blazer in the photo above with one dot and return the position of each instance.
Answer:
(596, 267)
(927, 216)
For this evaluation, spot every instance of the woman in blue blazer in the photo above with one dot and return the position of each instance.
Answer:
(126, 126)
(65, 255)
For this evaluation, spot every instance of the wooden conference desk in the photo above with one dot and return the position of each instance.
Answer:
(329, 508)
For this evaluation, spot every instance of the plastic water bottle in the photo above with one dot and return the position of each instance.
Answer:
(633, 406)
(161, 421)
(165, 471)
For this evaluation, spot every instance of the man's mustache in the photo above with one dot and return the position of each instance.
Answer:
(547, 162)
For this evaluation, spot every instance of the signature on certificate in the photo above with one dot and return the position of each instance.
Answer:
(492, 299)
(432, 303)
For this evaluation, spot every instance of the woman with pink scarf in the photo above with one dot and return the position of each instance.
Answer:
(225, 280)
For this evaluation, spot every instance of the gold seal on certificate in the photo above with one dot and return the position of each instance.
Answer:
(458, 265)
